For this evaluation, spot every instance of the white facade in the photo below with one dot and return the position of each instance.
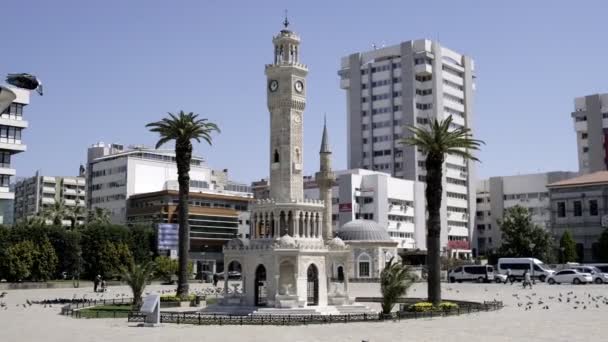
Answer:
(11, 126)
(590, 119)
(412, 83)
(395, 203)
(115, 177)
(497, 194)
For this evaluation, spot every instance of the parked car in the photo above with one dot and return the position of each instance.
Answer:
(538, 270)
(598, 276)
(570, 276)
(478, 273)
(500, 278)
(601, 267)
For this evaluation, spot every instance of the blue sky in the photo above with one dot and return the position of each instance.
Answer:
(109, 67)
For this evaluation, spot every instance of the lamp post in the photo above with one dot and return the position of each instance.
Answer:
(562, 249)
(532, 245)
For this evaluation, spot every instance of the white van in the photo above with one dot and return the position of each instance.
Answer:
(537, 269)
(476, 273)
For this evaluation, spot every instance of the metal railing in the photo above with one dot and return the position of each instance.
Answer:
(226, 319)
(72, 308)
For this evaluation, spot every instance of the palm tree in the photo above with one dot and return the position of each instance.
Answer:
(183, 128)
(56, 212)
(395, 280)
(75, 213)
(437, 141)
(98, 215)
(137, 277)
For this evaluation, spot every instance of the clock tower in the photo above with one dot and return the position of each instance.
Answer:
(286, 94)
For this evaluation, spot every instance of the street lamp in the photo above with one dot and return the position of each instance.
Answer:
(532, 245)
(562, 249)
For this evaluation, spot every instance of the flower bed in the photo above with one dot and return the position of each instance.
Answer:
(427, 306)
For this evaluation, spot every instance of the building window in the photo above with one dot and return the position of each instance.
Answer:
(489, 227)
(584, 135)
(578, 208)
(5, 159)
(364, 266)
(593, 208)
(422, 121)
(561, 209)
(481, 227)
(276, 156)
(585, 149)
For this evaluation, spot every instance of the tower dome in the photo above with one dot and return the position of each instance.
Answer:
(363, 230)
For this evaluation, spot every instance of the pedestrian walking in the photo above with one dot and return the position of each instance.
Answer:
(215, 279)
(96, 282)
(509, 278)
(527, 279)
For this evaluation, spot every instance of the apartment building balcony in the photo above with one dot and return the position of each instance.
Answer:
(16, 148)
(48, 200)
(47, 179)
(68, 191)
(70, 181)
(70, 202)
(6, 170)
(423, 69)
(4, 121)
(48, 190)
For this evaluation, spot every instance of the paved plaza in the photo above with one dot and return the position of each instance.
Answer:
(560, 322)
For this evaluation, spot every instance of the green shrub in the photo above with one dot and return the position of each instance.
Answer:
(428, 306)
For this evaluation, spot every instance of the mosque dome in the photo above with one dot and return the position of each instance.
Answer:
(336, 243)
(363, 230)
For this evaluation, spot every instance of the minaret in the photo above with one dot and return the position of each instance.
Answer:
(286, 93)
(325, 180)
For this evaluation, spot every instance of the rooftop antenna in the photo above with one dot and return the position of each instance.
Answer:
(286, 21)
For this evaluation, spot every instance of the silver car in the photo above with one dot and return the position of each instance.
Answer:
(598, 276)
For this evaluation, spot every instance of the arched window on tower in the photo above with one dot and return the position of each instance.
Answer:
(276, 156)
(297, 155)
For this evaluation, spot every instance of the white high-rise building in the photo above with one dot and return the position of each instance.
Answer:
(11, 126)
(115, 173)
(412, 83)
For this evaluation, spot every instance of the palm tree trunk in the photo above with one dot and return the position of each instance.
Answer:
(183, 156)
(433, 192)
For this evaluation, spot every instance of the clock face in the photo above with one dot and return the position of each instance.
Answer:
(296, 118)
(273, 85)
(298, 86)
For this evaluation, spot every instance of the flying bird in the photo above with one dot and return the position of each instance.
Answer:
(25, 81)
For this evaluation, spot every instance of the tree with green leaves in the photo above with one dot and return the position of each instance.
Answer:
(98, 216)
(165, 268)
(137, 277)
(44, 261)
(395, 280)
(142, 243)
(521, 238)
(183, 128)
(567, 247)
(436, 142)
(19, 260)
(602, 248)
